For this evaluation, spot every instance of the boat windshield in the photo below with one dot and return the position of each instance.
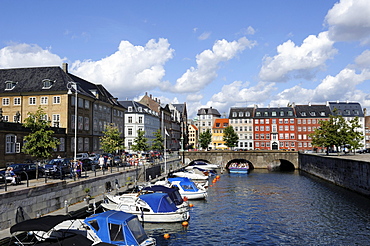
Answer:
(137, 230)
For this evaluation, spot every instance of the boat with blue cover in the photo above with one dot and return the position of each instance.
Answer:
(107, 228)
(188, 188)
(154, 207)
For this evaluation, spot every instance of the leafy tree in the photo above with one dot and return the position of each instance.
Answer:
(112, 141)
(205, 139)
(337, 132)
(140, 142)
(40, 143)
(230, 137)
(158, 141)
(355, 137)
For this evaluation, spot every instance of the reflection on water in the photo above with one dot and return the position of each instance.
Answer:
(265, 208)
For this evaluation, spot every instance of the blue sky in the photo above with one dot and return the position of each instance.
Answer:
(205, 53)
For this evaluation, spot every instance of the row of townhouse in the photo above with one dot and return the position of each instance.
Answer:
(77, 107)
(276, 128)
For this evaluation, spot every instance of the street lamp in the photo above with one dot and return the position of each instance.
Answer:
(73, 85)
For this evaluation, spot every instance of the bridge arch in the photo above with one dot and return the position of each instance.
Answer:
(251, 167)
(281, 165)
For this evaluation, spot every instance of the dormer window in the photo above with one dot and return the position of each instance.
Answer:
(322, 113)
(47, 84)
(140, 109)
(312, 113)
(9, 85)
(129, 109)
(303, 113)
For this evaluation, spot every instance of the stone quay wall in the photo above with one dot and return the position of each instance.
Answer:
(350, 172)
(41, 198)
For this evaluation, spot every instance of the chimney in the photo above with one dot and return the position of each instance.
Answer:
(150, 95)
(65, 67)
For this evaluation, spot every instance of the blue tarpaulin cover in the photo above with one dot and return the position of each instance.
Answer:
(159, 202)
(125, 227)
(185, 183)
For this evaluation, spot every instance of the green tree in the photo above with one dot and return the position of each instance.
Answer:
(140, 142)
(111, 142)
(230, 137)
(355, 137)
(337, 132)
(205, 139)
(158, 141)
(40, 143)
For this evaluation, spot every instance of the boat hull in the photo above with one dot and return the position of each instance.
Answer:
(238, 170)
(151, 217)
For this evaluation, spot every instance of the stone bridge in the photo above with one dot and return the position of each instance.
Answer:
(269, 159)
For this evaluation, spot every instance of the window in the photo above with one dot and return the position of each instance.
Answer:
(257, 136)
(262, 121)
(267, 128)
(247, 114)
(267, 136)
(241, 114)
(140, 119)
(273, 113)
(292, 127)
(17, 101)
(140, 109)
(292, 136)
(80, 122)
(62, 145)
(9, 85)
(86, 123)
(86, 144)
(262, 128)
(56, 120)
(44, 100)
(281, 113)
(6, 101)
(266, 113)
(262, 136)
(290, 113)
(32, 101)
(47, 83)
(56, 100)
(258, 114)
(256, 128)
(234, 114)
(218, 125)
(87, 104)
(129, 131)
(129, 109)
(130, 119)
(10, 145)
(225, 124)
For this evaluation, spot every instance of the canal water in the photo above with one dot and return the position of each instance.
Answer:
(270, 208)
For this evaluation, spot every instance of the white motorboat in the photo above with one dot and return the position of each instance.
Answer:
(202, 165)
(108, 228)
(173, 194)
(154, 207)
(187, 188)
(193, 174)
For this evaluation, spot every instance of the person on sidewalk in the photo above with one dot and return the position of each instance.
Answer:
(10, 175)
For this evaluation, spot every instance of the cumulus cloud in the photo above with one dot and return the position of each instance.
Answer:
(349, 20)
(194, 97)
(195, 79)
(298, 61)
(363, 60)
(239, 93)
(26, 55)
(130, 70)
(342, 86)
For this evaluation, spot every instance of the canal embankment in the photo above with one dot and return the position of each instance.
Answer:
(41, 197)
(349, 171)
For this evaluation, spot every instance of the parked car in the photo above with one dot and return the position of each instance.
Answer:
(58, 167)
(21, 169)
(80, 156)
(88, 164)
(117, 160)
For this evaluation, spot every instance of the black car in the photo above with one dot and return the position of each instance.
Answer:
(58, 168)
(23, 170)
(88, 164)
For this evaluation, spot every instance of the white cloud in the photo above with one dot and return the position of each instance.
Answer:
(27, 55)
(363, 60)
(130, 70)
(298, 61)
(195, 79)
(332, 88)
(194, 97)
(239, 93)
(204, 36)
(349, 20)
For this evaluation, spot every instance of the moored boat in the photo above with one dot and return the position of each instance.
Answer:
(108, 228)
(239, 168)
(188, 188)
(153, 208)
